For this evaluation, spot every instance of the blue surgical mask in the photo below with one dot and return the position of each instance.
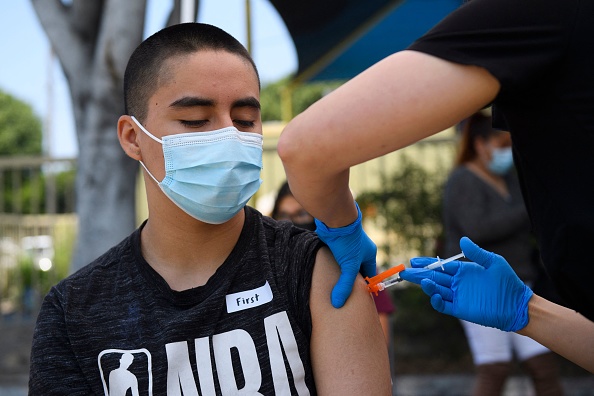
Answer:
(210, 175)
(502, 160)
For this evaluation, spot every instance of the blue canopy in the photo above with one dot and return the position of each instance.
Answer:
(338, 39)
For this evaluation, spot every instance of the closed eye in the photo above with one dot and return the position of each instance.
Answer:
(244, 123)
(193, 123)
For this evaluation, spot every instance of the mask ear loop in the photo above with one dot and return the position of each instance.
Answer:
(149, 173)
(152, 137)
(145, 131)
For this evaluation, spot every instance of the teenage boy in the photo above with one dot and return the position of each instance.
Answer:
(207, 296)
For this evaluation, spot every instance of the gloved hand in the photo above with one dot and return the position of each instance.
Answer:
(486, 291)
(353, 250)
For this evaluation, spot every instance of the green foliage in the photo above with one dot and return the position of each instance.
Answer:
(64, 236)
(20, 128)
(26, 272)
(408, 208)
(65, 191)
(24, 191)
(21, 190)
(270, 100)
(27, 283)
(305, 95)
(302, 97)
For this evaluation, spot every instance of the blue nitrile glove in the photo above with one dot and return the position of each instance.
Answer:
(353, 250)
(486, 291)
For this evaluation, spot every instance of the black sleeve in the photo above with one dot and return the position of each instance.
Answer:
(298, 251)
(301, 270)
(54, 369)
(517, 41)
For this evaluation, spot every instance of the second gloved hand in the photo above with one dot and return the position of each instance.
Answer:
(354, 252)
(486, 291)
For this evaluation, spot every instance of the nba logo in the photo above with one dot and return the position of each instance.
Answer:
(122, 370)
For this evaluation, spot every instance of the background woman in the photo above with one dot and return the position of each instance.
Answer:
(482, 200)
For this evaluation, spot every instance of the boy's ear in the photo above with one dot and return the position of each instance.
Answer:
(127, 136)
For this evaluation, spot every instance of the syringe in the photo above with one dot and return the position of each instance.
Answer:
(390, 282)
(380, 281)
(376, 285)
(440, 262)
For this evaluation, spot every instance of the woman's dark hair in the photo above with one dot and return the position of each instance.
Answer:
(478, 126)
(282, 192)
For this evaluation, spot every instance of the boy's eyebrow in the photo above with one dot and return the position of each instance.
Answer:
(192, 101)
(250, 101)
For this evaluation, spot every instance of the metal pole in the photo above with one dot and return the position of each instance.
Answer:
(47, 128)
(50, 180)
(187, 11)
(248, 25)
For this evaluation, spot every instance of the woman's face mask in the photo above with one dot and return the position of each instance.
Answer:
(501, 160)
(210, 175)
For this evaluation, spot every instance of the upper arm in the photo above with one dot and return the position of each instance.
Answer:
(403, 98)
(348, 350)
(398, 101)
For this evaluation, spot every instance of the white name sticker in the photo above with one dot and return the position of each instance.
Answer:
(249, 298)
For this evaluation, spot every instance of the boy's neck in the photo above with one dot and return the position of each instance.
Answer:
(186, 252)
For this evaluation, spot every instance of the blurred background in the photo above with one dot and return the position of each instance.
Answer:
(62, 65)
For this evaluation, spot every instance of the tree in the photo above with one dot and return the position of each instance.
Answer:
(20, 128)
(93, 41)
(20, 134)
(408, 208)
(302, 96)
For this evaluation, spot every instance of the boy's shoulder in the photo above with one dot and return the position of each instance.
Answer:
(285, 233)
(288, 247)
(100, 271)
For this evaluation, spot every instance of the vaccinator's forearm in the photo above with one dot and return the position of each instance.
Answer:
(562, 330)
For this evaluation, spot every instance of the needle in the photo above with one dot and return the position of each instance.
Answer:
(440, 263)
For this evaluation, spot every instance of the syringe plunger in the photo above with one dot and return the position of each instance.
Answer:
(440, 263)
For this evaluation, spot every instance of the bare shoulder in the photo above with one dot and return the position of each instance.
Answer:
(348, 349)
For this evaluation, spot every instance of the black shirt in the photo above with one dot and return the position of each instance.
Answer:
(542, 53)
(116, 326)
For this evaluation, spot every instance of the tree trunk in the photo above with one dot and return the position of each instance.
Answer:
(93, 41)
